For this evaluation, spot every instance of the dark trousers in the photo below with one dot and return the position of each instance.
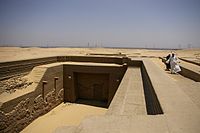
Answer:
(167, 65)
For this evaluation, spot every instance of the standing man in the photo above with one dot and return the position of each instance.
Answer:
(175, 68)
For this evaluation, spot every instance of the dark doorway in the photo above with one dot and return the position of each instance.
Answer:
(98, 91)
(92, 88)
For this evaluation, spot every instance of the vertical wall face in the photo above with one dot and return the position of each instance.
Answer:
(8, 69)
(152, 103)
(92, 86)
(129, 98)
(17, 113)
(54, 78)
(91, 82)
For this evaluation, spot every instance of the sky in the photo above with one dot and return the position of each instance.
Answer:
(100, 23)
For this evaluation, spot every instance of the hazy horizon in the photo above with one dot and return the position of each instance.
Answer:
(103, 23)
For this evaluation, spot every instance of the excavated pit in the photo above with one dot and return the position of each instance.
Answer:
(86, 80)
(92, 84)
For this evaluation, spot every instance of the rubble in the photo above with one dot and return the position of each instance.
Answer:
(10, 85)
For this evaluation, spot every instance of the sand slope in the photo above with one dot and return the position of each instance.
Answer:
(62, 115)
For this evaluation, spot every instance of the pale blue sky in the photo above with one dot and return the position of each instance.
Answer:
(114, 23)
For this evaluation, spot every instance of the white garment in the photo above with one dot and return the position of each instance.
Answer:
(174, 65)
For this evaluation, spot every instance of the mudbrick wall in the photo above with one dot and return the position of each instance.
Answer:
(12, 68)
(17, 113)
(25, 112)
(9, 69)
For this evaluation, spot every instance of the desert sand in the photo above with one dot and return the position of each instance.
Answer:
(73, 114)
(62, 115)
(17, 53)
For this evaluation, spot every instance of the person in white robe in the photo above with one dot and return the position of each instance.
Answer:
(175, 68)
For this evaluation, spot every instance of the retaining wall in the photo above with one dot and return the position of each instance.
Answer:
(17, 112)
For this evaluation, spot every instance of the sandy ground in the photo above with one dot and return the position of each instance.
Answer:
(62, 115)
(73, 114)
(188, 86)
(17, 53)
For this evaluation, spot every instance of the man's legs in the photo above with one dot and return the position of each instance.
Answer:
(167, 66)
